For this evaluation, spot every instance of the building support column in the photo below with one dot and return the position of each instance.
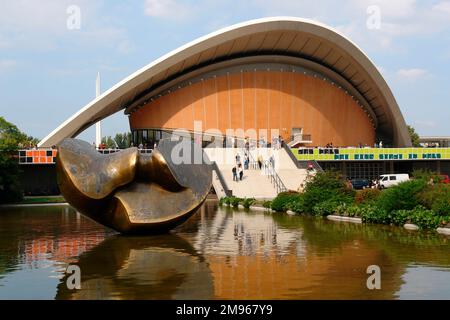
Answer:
(344, 169)
(391, 167)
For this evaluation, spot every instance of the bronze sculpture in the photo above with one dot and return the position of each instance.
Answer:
(129, 191)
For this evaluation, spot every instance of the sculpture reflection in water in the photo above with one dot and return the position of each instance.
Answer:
(158, 267)
(133, 192)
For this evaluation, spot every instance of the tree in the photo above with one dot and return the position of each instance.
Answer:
(109, 142)
(414, 136)
(11, 138)
(123, 140)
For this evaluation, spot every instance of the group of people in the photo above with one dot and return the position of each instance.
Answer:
(277, 142)
(360, 145)
(238, 169)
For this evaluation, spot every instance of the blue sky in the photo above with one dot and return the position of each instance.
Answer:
(48, 71)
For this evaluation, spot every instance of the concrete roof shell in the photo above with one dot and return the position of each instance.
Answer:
(290, 36)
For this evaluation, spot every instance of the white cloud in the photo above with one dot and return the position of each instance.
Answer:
(412, 74)
(168, 9)
(425, 123)
(399, 18)
(442, 7)
(41, 25)
(6, 64)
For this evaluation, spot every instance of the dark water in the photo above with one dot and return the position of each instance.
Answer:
(218, 253)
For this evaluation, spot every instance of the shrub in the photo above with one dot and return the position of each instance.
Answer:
(283, 200)
(351, 210)
(437, 198)
(402, 196)
(298, 206)
(367, 195)
(399, 217)
(267, 204)
(227, 200)
(424, 218)
(441, 206)
(234, 201)
(325, 186)
(374, 214)
(247, 202)
(326, 207)
(426, 175)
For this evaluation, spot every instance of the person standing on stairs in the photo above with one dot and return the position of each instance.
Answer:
(241, 172)
(260, 161)
(234, 171)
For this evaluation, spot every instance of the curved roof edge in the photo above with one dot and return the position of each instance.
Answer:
(124, 92)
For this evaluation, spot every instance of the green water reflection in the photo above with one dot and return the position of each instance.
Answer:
(218, 253)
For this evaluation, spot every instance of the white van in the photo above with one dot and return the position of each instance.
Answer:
(389, 180)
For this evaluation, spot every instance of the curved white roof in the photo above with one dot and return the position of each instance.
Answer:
(288, 36)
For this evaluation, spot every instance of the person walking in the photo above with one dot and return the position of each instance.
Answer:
(246, 162)
(241, 172)
(260, 160)
(235, 177)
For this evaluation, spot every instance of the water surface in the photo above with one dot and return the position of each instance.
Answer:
(220, 253)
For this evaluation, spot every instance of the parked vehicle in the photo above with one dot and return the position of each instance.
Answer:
(359, 184)
(389, 180)
(445, 178)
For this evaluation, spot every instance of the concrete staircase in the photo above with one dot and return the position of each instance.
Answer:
(286, 169)
(255, 183)
(292, 176)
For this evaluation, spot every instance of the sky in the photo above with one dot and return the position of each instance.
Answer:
(51, 50)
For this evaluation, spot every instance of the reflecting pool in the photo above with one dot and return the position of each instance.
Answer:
(220, 253)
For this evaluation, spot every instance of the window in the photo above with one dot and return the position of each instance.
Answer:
(392, 178)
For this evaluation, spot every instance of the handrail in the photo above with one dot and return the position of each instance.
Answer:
(275, 179)
(291, 155)
(252, 163)
(114, 150)
(299, 163)
(215, 167)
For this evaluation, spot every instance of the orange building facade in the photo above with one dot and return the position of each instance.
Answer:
(267, 103)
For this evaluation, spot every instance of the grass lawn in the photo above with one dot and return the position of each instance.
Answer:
(43, 199)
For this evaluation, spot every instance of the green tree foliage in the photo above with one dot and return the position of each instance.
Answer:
(109, 142)
(414, 136)
(326, 187)
(11, 139)
(402, 196)
(123, 140)
(285, 200)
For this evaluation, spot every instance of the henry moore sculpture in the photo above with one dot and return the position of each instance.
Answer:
(129, 191)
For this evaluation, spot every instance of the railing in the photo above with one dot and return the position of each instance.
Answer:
(291, 155)
(370, 154)
(109, 151)
(48, 156)
(301, 137)
(301, 164)
(37, 156)
(253, 164)
(216, 169)
(275, 179)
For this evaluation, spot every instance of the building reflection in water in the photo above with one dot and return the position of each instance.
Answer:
(251, 256)
(224, 254)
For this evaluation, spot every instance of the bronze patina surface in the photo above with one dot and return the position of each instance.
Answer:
(132, 192)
